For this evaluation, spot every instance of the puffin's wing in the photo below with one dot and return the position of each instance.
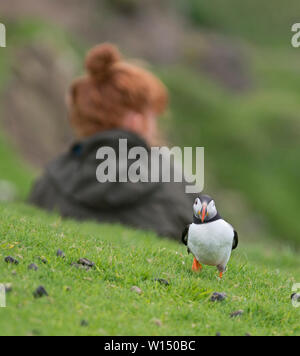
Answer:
(235, 240)
(184, 236)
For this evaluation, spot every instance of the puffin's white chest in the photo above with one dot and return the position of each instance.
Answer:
(211, 243)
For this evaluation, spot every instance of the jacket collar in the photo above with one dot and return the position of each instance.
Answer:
(107, 138)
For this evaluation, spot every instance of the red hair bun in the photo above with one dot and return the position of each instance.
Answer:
(100, 60)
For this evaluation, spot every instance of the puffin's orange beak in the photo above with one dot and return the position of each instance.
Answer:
(203, 215)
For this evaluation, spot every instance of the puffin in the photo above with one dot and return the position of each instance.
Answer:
(209, 238)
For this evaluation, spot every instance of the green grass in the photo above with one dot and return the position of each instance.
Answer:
(258, 280)
(14, 170)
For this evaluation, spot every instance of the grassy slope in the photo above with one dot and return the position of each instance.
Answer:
(256, 282)
(12, 169)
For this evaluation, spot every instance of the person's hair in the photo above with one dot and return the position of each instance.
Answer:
(111, 89)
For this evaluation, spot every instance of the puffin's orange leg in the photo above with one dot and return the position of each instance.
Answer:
(196, 266)
(221, 275)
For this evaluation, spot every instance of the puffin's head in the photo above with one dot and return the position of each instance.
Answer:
(204, 208)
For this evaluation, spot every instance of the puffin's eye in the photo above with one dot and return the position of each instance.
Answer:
(196, 202)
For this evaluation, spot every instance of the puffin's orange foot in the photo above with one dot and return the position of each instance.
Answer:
(197, 267)
(221, 275)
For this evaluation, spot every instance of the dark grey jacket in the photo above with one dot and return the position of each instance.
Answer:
(70, 187)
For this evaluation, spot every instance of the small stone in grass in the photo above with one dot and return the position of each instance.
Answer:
(237, 313)
(136, 290)
(86, 262)
(157, 322)
(33, 267)
(11, 260)
(40, 292)
(248, 334)
(162, 281)
(218, 297)
(218, 334)
(84, 323)
(60, 253)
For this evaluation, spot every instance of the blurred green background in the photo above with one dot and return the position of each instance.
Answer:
(233, 76)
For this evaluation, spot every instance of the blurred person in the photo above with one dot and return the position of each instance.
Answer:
(114, 100)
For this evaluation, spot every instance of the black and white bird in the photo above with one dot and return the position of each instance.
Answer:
(209, 238)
